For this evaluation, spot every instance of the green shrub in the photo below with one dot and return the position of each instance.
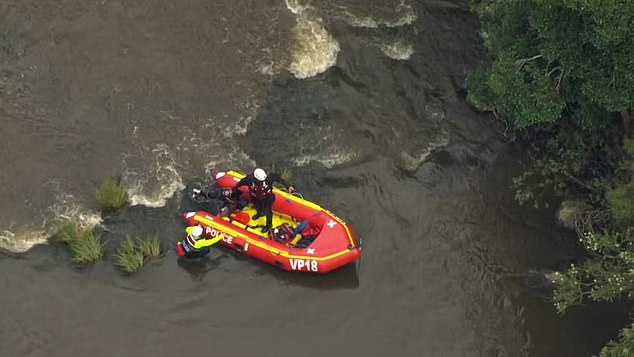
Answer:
(568, 289)
(480, 94)
(621, 202)
(111, 196)
(86, 248)
(623, 347)
(129, 258)
(628, 164)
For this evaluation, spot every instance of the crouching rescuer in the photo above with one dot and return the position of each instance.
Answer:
(261, 193)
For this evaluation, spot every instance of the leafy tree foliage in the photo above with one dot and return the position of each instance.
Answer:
(609, 273)
(554, 58)
(623, 347)
(561, 72)
(568, 162)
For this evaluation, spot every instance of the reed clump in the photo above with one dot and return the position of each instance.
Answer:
(111, 196)
(84, 245)
(134, 253)
(284, 172)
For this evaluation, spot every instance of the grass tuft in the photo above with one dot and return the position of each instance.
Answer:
(84, 245)
(86, 248)
(66, 231)
(151, 247)
(132, 254)
(128, 257)
(111, 196)
(284, 172)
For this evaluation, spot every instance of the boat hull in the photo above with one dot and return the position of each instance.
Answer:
(333, 246)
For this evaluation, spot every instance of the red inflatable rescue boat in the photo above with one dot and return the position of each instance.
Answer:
(304, 236)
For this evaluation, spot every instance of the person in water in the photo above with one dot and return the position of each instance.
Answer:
(261, 191)
(197, 244)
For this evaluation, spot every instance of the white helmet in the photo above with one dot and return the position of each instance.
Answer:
(197, 231)
(259, 174)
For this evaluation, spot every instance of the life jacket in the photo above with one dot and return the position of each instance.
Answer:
(191, 241)
(260, 189)
(282, 233)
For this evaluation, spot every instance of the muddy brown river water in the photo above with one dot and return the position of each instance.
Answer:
(362, 99)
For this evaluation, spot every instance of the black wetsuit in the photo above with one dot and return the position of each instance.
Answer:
(261, 194)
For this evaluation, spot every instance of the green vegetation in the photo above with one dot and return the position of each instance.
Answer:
(151, 247)
(129, 258)
(132, 254)
(622, 347)
(621, 202)
(66, 231)
(621, 197)
(111, 196)
(606, 231)
(84, 245)
(284, 172)
(560, 74)
(87, 249)
(553, 59)
(608, 274)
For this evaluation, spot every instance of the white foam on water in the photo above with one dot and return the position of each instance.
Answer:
(22, 239)
(67, 207)
(399, 50)
(412, 161)
(268, 68)
(314, 49)
(236, 159)
(329, 160)
(406, 15)
(298, 7)
(241, 125)
(155, 188)
(365, 22)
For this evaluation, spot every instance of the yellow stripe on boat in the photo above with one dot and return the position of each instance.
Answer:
(260, 244)
(304, 202)
(282, 193)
